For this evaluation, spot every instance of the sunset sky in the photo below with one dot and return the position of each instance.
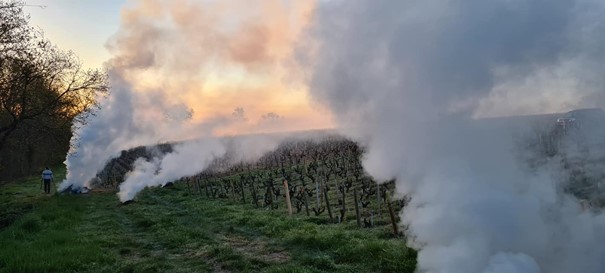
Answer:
(213, 57)
(81, 26)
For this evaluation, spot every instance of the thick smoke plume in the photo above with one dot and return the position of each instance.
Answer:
(172, 166)
(409, 79)
(174, 62)
(190, 157)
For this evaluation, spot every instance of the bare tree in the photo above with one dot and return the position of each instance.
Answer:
(40, 85)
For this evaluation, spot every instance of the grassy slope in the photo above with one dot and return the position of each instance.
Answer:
(168, 230)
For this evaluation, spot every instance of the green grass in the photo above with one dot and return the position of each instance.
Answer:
(169, 230)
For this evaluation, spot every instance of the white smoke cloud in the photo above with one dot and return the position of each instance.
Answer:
(128, 119)
(403, 77)
(508, 262)
(190, 157)
(163, 56)
(406, 78)
(186, 159)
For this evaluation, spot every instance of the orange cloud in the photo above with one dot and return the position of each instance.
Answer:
(215, 56)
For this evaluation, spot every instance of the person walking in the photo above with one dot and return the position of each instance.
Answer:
(47, 178)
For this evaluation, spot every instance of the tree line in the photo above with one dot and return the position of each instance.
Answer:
(43, 89)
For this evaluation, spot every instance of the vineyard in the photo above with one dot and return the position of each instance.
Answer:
(322, 179)
(577, 151)
(229, 218)
(307, 206)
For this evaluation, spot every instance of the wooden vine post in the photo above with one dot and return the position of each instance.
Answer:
(357, 207)
(206, 181)
(328, 205)
(188, 187)
(306, 195)
(392, 214)
(343, 209)
(254, 196)
(241, 188)
(270, 194)
(318, 193)
(198, 180)
(378, 191)
(232, 189)
(213, 190)
(288, 198)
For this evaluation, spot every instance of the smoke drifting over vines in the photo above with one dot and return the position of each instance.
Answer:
(408, 79)
(411, 81)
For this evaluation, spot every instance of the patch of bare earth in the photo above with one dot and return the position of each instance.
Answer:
(251, 249)
(204, 253)
(256, 249)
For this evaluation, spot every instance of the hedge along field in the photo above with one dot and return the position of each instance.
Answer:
(183, 229)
